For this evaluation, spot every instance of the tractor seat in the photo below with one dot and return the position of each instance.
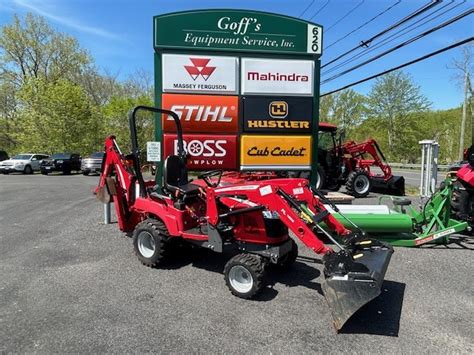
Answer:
(175, 176)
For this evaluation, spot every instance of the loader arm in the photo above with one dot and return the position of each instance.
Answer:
(370, 146)
(353, 275)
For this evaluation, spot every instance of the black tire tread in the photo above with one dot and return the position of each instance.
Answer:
(460, 202)
(158, 229)
(350, 183)
(289, 259)
(252, 262)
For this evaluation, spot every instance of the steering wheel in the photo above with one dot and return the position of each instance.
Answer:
(207, 177)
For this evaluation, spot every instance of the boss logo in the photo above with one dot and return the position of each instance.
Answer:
(206, 148)
(278, 109)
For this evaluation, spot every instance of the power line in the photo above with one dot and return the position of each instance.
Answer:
(364, 24)
(411, 40)
(395, 36)
(347, 14)
(367, 42)
(307, 8)
(320, 9)
(457, 44)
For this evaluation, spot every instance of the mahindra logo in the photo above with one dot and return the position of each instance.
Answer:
(252, 75)
(199, 68)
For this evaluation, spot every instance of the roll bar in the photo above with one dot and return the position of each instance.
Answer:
(134, 140)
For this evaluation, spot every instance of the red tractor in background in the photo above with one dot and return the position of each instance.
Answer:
(345, 164)
(247, 215)
(462, 202)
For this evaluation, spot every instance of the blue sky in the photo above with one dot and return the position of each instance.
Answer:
(118, 34)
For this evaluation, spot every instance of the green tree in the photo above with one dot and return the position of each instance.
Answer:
(59, 117)
(393, 98)
(347, 109)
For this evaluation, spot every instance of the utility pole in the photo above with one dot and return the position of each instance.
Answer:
(464, 115)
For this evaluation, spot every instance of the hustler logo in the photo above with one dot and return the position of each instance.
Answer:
(278, 109)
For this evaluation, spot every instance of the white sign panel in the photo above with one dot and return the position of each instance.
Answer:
(153, 151)
(274, 76)
(200, 74)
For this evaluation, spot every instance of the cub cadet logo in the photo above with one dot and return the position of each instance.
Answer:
(276, 152)
(202, 113)
(256, 76)
(199, 68)
(205, 148)
(278, 109)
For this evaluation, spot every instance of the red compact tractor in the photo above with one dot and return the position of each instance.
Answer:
(247, 215)
(346, 163)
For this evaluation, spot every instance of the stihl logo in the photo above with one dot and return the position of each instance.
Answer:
(206, 148)
(202, 113)
(278, 109)
(199, 68)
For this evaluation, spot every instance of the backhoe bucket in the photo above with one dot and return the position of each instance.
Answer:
(394, 186)
(354, 277)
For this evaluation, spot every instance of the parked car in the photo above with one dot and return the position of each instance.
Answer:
(65, 162)
(92, 163)
(26, 163)
(3, 155)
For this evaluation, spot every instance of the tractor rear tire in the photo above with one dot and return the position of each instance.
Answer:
(289, 259)
(320, 178)
(244, 275)
(150, 242)
(358, 183)
(462, 202)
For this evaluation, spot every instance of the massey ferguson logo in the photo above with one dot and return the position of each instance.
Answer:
(278, 109)
(200, 68)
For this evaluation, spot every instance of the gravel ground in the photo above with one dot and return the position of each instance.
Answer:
(71, 284)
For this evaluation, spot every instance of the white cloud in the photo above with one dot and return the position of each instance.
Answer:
(66, 21)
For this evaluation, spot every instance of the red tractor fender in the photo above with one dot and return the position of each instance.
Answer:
(466, 174)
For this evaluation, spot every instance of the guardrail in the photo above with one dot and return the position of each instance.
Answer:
(441, 167)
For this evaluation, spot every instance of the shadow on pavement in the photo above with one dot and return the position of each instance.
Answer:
(380, 316)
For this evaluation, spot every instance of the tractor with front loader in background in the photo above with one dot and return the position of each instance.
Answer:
(346, 164)
(249, 215)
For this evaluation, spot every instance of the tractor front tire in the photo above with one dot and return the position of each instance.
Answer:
(462, 202)
(244, 275)
(358, 183)
(289, 259)
(150, 242)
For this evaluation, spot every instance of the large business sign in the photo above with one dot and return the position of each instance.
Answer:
(199, 74)
(275, 152)
(277, 114)
(205, 152)
(227, 30)
(202, 113)
(277, 76)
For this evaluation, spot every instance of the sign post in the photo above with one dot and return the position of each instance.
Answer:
(245, 85)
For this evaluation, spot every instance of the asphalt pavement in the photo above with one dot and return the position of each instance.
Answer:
(70, 284)
(412, 177)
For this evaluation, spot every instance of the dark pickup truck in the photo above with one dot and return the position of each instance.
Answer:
(65, 162)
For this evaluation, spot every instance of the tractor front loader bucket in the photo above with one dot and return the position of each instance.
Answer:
(394, 186)
(353, 277)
